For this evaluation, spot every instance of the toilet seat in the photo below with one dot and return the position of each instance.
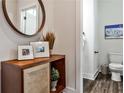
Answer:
(116, 66)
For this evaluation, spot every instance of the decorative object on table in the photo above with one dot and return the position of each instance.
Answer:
(41, 49)
(114, 31)
(50, 37)
(25, 52)
(54, 78)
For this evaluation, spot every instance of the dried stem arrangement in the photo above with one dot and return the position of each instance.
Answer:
(50, 37)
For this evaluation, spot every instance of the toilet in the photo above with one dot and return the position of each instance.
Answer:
(116, 66)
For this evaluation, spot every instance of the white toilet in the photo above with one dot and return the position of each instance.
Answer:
(116, 65)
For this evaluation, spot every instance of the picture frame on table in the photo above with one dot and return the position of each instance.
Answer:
(25, 52)
(40, 49)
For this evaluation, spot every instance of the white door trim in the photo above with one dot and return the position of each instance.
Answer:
(79, 28)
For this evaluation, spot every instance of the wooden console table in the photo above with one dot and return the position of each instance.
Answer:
(17, 76)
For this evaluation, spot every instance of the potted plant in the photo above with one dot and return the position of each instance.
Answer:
(54, 78)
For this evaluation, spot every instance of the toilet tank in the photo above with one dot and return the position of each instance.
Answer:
(116, 58)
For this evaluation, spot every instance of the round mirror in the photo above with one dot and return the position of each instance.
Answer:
(27, 17)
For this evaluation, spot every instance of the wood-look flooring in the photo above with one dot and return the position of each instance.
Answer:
(103, 84)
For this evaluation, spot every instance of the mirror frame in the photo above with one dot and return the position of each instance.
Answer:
(13, 26)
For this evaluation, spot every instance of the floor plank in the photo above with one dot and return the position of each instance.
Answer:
(103, 84)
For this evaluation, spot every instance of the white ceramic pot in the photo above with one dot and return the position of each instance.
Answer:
(53, 85)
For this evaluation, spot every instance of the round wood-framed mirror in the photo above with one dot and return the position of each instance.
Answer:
(26, 17)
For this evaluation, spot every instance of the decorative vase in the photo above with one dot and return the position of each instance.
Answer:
(53, 85)
(51, 52)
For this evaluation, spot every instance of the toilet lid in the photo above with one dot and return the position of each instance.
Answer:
(115, 65)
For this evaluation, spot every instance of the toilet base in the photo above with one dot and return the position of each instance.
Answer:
(116, 76)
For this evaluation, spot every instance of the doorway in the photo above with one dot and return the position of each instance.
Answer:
(97, 45)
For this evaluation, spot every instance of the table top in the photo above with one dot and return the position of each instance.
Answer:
(32, 62)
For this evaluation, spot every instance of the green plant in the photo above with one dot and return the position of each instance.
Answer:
(54, 74)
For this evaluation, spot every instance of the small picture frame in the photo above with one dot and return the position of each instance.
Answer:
(25, 52)
(41, 49)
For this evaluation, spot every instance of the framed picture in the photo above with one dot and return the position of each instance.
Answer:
(114, 31)
(25, 52)
(41, 49)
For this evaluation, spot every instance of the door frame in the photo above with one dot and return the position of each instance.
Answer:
(79, 30)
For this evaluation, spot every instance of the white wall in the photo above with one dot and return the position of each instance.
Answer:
(9, 40)
(96, 36)
(88, 28)
(65, 30)
(90, 60)
(61, 18)
(110, 12)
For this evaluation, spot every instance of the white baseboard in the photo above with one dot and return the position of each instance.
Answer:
(69, 90)
(91, 76)
(88, 76)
